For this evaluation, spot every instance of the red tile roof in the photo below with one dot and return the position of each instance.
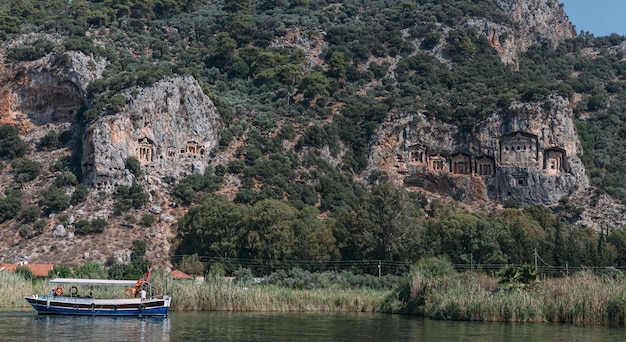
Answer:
(39, 270)
(176, 274)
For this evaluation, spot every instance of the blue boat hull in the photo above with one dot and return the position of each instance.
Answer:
(84, 307)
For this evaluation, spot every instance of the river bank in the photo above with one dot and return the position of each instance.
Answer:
(581, 298)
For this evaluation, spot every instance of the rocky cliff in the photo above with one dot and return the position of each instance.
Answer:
(527, 154)
(169, 127)
(532, 22)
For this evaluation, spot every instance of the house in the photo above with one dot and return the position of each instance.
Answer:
(178, 275)
(39, 270)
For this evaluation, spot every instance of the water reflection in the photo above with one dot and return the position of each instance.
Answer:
(237, 326)
(21, 326)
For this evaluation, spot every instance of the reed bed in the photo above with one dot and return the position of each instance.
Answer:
(15, 287)
(224, 295)
(582, 298)
(216, 295)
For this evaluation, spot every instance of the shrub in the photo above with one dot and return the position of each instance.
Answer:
(30, 214)
(25, 169)
(191, 264)
(434, 267)
(130, 219)
(26, 231)
(49, 141)
(66, 178)
(82, 227)
(10, 205)
(39, 226)
(147, 220)
(134, 166)
(86, 227)
(11, 146)
(80, 194)
(55, 199)
(90, 270)
(25, 272)
(129, 197)
(98, 225)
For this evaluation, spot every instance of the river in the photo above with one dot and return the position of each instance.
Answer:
(328, 327)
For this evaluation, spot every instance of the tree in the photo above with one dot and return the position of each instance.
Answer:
(314, 84)
(90, 270)
(235, 6)
(215, 226)
(270, 233)
(338, 65)
(60, 271)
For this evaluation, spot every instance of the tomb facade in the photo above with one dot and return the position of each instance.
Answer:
(554, 160)
(519, 148)
(438, 163)
(485, 166)
(461, 163)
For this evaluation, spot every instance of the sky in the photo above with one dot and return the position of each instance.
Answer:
(599, 17)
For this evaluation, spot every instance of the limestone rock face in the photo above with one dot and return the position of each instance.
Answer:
(538, 21)
(41, 92)
(170, 127)
(528, 153)
(533, 22)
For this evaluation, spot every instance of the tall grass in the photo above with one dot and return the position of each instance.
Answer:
(15, 287)
(581, 298)
(216, 294)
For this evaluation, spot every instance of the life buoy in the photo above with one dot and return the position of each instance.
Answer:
(142, 306)
(93, 306)
(59, 290)
(75, 307)
(73, 291)
(129, 291)
(114, 307)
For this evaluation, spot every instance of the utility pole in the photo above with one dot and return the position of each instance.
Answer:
(535, 258)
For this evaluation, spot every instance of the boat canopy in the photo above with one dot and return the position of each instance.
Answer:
(103, 282)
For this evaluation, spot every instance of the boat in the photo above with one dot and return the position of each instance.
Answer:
(136, 299)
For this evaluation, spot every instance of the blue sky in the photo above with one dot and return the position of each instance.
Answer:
(599, 17)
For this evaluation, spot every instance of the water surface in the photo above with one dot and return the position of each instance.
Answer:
(236, 326)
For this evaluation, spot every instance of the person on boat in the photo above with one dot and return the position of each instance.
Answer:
(142, 294)
(53, 293)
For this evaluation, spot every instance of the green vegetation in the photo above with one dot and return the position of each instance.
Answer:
(580, 298)
(25, 170)
(137, 267)
(127, 197)
(95, 226)
(386, 224)
(10, 204)
(11, 146)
